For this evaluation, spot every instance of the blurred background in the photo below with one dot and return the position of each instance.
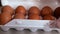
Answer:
(0, 2)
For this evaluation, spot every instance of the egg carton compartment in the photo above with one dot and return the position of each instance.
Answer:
(33, 25)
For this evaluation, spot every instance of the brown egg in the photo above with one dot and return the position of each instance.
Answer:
(7, 9)
(19, 16)
(48, 17)
(20, 9)
(57, 12)
(5, 18)
(46, 11)
(34, 10)
(34, 17)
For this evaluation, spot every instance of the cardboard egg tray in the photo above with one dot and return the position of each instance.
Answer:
(33, 25)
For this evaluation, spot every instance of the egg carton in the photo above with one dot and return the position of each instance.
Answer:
(21, 24)
(33, 25)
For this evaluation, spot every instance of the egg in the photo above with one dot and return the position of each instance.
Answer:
(49, 17)
(34, 10)
(7, 9)
(20, 9)
(46, 11)
(19, 16)
(57, 12)
(5, 18)
(34, 17)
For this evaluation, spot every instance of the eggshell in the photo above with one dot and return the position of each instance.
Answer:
(34, 10)
(19, 16)
(49, 17)
(46, 11)
(57, 12)
(20, 9)
(5, 18)
(34, 17)
(7, 9)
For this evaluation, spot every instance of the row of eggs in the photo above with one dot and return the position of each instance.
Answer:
(34, 13)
